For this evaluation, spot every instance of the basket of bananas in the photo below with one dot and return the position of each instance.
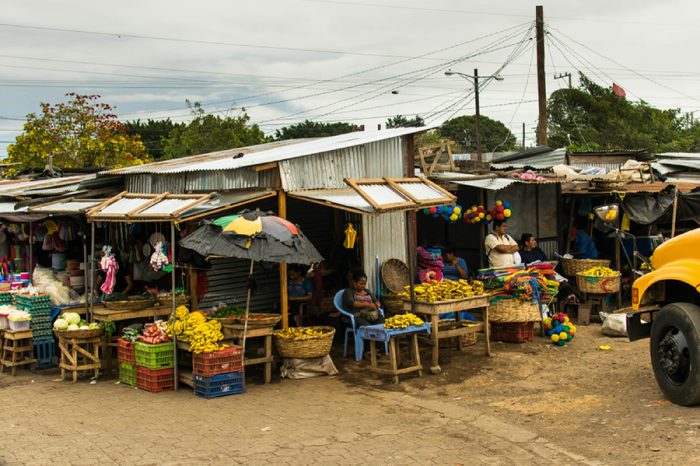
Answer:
(598, 280)
(445, 290)
(571, 267)
(304, 342)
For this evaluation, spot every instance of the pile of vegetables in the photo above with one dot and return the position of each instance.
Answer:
(154, 333)
(19, 316)
(203, 335)
(227, 312)
(72, 321)
(130, 334)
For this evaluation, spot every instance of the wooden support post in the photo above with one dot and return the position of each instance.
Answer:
(192, 274)
(571, 225)
(675, 211)
(284, 298)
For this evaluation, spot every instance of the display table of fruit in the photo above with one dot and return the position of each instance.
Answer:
(436, 298)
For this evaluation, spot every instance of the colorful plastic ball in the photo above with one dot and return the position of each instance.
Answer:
(426, 211)
(506, 204)
(436, 215)
(432, 210)
(500, 208)
(457, 210)
(563, 336)
(499, 203)
(506, 212)
(500, 216)
(555, 338)
(561, 343)
(569, 338)
(454, 217)
(477, 219)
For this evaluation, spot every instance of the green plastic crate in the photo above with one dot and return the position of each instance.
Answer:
(154, 356)
(127, 374)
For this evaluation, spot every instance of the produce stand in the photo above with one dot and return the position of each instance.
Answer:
(479, 303)
(79, 354)
(375, 333)
(17, 349)
(235, 332)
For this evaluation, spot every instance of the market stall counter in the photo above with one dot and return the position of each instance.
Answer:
(476, 303)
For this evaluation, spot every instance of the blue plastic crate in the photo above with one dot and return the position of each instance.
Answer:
(45, 352)
(379, 333)
(218, 385)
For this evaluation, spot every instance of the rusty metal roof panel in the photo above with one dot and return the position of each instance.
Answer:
(76, 207)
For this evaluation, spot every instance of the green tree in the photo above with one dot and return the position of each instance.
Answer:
(80, 133)
(462, 130)
(593, 117)
(153, 133)
(400, 121)
(314, 129)
(209, 133)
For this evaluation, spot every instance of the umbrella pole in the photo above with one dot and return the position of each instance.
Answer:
(91, 299)
(247, 309)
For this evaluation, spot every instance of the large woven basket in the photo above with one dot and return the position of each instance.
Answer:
(513, 310)
(571, 267)
(315, 347)
(395, 275)
(392, 304)
(129, 305)
(598, 285)
(91, 333)
(167, 299)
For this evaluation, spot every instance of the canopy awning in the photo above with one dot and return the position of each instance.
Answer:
(378, 195)
(66, 206)
(166, 207)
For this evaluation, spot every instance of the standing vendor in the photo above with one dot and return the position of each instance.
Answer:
(500, 247)
(529, 251)
(300, 291)
(455, 267)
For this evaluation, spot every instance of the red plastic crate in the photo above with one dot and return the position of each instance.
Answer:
(126, 352)
(158, 380)
(218, 362)
(512, 332)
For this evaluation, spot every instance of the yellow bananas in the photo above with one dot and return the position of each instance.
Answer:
(402, 321)
(442, 291)
(599, 272)
(203, 335)
(299, 333)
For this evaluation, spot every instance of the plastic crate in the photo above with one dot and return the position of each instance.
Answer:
(219, 385)
(159, 380)
(154, 356)
(126, 352)
(512, 332)
(19, 325)
(218, 362)
(45, 353)
(127, 374)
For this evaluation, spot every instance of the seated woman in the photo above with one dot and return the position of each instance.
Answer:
(359, 301)
(529, 251)
(455, 267)
(300, 291)
(582, 245)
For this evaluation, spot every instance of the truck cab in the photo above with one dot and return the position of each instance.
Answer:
(674, 325)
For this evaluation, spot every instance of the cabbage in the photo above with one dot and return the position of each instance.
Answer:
(93, 326)
(72, 318)
(73, 327)
(60, 324)
(84, 327)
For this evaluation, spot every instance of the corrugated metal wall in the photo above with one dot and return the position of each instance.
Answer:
(328, 169)
(200, 181)
(384, 236)
(227, 284)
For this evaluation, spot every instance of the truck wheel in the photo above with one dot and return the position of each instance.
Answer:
(675, 352)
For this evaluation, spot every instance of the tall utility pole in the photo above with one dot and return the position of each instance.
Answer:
(478, 117)
(541, 84)
(564, 75)
(523, 135)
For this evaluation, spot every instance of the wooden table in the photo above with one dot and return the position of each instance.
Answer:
(479, 303)
(73, 350)
(16, 349)
(378, 332)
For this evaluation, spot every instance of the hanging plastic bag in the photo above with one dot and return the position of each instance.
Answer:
(158, 259)
(47, 245)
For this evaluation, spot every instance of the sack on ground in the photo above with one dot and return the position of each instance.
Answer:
(307, 368)
(614, 325)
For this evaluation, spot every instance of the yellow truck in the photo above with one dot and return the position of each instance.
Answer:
(674, 326)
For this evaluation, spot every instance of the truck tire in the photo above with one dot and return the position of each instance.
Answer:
(675, 352)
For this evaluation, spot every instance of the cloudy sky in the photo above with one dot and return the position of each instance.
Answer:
(355, 60)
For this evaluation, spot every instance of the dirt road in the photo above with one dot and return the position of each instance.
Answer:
(528, 404)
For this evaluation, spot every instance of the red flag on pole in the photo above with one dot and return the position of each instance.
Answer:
(618, 90)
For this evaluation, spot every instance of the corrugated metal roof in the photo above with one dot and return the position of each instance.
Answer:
(538, 159)
(383, 195)
(124, 206)
(37, 187)
(493, 184)
(66, 207)
(9, 208)
(223, 201)
(421, 191)
(340, 197)
(255, 155)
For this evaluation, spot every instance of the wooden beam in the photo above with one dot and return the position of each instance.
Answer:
(147, 204)
(284, 297)
(265, 166)
(350, 182)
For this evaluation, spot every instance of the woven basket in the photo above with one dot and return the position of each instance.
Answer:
(571, 267)
(92, 333)
(395, 275)
(129, 305)
(315, 347)
(180, 299)
(513, 310)
(259, 320)
(393, 304)
(598, 285)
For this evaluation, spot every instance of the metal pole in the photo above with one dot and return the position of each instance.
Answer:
(478, 117)
(92, 273)
(173, 313)
(30, 268)
(247, 308)
(541, 78)
(523, 135)
(675, 211)
(410, 258)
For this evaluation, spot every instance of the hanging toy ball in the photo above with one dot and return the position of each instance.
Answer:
(457, 209)
(506, 213)
(506, 204)
(499, 203)
(426, 211)
(432, 210)
(454, 217)
(555, 338)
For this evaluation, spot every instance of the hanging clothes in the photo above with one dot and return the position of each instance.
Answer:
(111, 267)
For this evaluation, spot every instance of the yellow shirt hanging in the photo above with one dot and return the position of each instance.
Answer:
(350, 236)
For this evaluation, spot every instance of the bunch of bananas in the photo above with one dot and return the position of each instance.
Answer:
(600, 272)
(203, 335)
(442, 291)
(299, 333)
(402, 321)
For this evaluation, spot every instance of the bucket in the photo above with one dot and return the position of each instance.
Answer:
(58, 261)
(77, 282)
(24, 276)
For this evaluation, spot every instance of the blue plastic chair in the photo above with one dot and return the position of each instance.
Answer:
(359, 342)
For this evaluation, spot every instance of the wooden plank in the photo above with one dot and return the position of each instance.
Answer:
(265, 166)
(284, 297)
(453, 305)
(350, 182)
(332, 204)
(458, 332)
(147, 204)
(186, 378)
(107, 202)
